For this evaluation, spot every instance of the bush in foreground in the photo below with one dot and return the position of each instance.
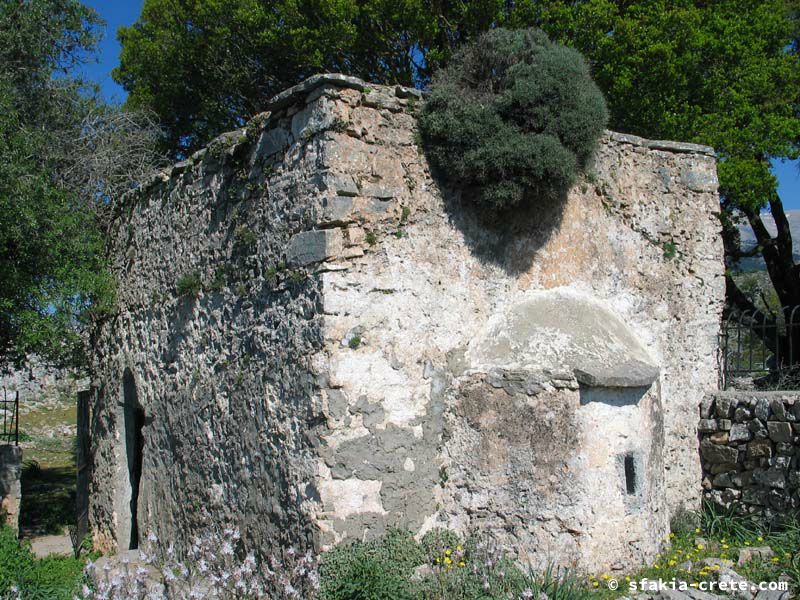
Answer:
(513, 118)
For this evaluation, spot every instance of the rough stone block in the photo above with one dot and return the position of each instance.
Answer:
(272, 141)
(759, 449)
(715, 453)
(774, 478)
(380, 190)
(707, 425)
(748, 554)
(724, 407)
(778, 409)
(740, 433)
(779, 431)
(707, 406)
(720, 437)
(341, 184)
(742, 479)
(630, 374)
(309, 247)
(762, 409)
(758, 429)
(337, 210)
(699, 181)
(716, 469)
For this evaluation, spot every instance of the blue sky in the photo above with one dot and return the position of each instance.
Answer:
(125, 12)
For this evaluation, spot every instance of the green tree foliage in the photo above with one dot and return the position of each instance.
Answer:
(719, 72)
(204, 66)
(514, 116)
(51, 247)
(724, 73)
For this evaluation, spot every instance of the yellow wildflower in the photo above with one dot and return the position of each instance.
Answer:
(760, 539)
(697, 530)
(595, 584)
(448, 552)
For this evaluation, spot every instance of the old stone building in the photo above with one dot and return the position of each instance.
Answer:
(316, 341)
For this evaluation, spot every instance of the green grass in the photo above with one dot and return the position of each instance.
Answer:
(55, 578)
(48, 499)
(49, 472)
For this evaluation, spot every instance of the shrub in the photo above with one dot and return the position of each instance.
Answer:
(375, 570)
(245, 240)
(513, 118)
(190, 284)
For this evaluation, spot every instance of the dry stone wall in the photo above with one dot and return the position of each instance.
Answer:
(750, 447)
(317, 341)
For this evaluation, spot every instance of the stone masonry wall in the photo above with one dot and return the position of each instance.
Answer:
(321, 340)
(10, 485)
(750, 448)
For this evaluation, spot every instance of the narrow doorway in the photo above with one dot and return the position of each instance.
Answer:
(134, 448)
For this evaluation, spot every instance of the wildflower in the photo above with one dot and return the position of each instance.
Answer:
(700, 546)
(787, 554)
(697, 530)
(595, 584)
(760, 539)
(606, 576)
(673, 562)
(448, 552)
(527, 594)
(725, 546)
(461, 563)
(459, 548)
(776, 559)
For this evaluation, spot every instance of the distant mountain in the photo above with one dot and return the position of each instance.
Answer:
(749, 240)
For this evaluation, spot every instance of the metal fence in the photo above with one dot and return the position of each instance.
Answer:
(10, 409)
(763, 348)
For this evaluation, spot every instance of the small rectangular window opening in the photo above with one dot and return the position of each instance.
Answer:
(630, 474)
